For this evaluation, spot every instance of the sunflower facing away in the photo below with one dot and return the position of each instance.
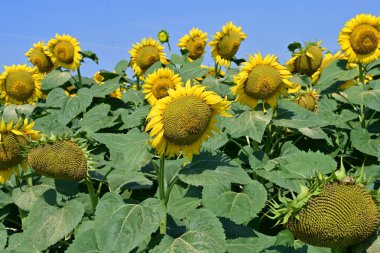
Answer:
(261, 79)
(13, 139)
(307, 60)
(359, 39)
(194, 43)
(184, 119)
(38, 55)
(226, 43)
(145, 54)
(20, 85)
(308, 99)
(157, 84)
(65, 51)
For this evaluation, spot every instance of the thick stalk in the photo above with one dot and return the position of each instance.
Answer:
(161, 192)
(93, 195)
(362, 106)
(216, 71)
(338, 250)
(79, 79)
(268, 142)
(241, 147)
(170, 50)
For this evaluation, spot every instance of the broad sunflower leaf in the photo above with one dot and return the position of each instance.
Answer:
(249, 123)
(3, 236)
(240, 207)
(120, 227)
(49, 125)
(46, 225)
(90, 55)
(219, 139)
(250, 244)
(204, 234)
(96, 118)
(216, 85)
(109, 86)
(85, 240)
(134, 119)
(362, 141)
(27, 196)
(182, 201)
(192, 70)
(368, 97)
(133, 96)
(209, 168)
(177, 59)
(121, 67)
(316, 133)
(55, 79)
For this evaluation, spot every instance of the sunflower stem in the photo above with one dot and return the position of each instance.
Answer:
(23, 214)
(216, 71)
(170, 187)
(93, 195)
(338, 250)
(79, 79)
(241, 147)
(268, 141)
(161, 192)
(170, 50)
(362, 106)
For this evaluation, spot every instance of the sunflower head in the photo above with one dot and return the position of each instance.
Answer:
(308, 99)
(327, 60)
(359, 39)
(20, 84)
(98, 78)
(335, 211)
(349, 83)
(226, 43)
(60, 157)
(65, 51)
(261, 79)
(145, 54)
(14, 137)
(307, 60)
(39, 56)
(157, 84)
(184, 119)
(194, 43)
(163, 36)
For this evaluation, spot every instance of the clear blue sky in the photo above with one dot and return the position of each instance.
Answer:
(109, 28)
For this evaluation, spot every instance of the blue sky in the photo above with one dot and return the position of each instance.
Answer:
(109, 28)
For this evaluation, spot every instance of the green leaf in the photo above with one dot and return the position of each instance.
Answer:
(204, 234)
(96, 118)
(109, 86)
(3, 236)
(240, 207)
(209, 168)
(49, 125)
(362, 141)
(120, 227)
(334, 72)
(85, 240)
(46, 225)
(216, 85)
(218, 140)
(134, 119)
(133, 145)
(192, 70)
(316, 133)
(294, 46)
(90, 55)
(26, 197)
(304, 80)
(368, 97)
(182, 201)
(249, 123)
(250, 244)
(55, 79)
(177, 59)
(121, 67)
(132, 96)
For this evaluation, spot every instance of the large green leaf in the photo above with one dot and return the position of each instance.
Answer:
(316, 133)
(55, 79)
(134, 145)
(27, 196)
(249, 123)
(208, 168)
(3, 236)
(182, 201)
(250, 244)
(134, 119)
(121, 67)
(362, 141)
(216, 85)
(85, 240)
(192, 70)
(120, 227)
(367, 97)
(96, 118)
(46, 225)
(204, 234)
(106, 88)
(241, 206)
(49, 125)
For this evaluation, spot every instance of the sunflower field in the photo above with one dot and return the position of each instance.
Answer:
(163, 154)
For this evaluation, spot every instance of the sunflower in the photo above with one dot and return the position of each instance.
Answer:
(145, 54)
(359, 39)
(307, 60)
(163, 36)
(226, 43)
(13, 139)
(327, 60)
(261, 79)
(38, 55)
(65, 51)
(98, 78)
(354, 82)
(20, 85)
(194, 43)
(308, 99)
(158, 83)
(184, 119)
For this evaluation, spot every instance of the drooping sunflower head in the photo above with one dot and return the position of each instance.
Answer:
(261, 79)
(359, 39)
(226, 43)
(308, 99)
(327, 60)
(98, 78)
(20, 84)
(194, 43)
(157, 84)
(307, 60)
(184, 119)
(13, 140)
(39, 56)
(354, 82)
(65, 51)
(163, 36)
(60, 158)
(145, 54)
(336, 211)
